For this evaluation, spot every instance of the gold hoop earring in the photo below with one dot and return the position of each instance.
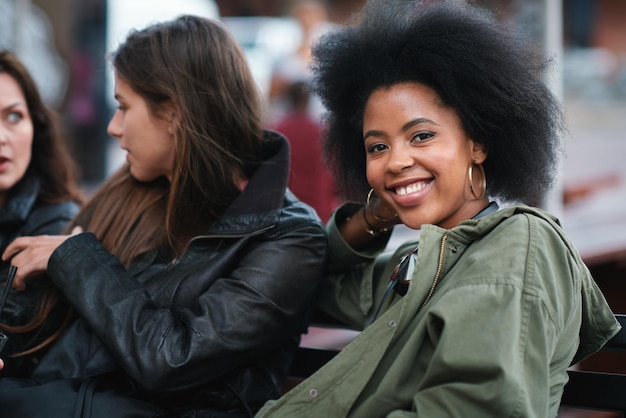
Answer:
(369, 209)
(483, 180)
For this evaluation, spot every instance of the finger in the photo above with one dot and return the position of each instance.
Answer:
(77, 230)
(30, 262)
(15, 247)
(19, 283)
(23, 272)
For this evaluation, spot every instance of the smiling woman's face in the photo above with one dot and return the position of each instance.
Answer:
(418, 156)
(16, 135)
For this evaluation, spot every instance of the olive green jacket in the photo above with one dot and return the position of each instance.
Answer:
(513, 307)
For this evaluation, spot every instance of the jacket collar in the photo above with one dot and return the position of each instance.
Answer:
(257, 207)
(473, 229)
(21, 201)
(266, 188)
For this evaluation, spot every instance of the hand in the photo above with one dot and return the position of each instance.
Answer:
(31, 255)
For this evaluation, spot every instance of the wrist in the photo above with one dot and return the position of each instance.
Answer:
(373, 225)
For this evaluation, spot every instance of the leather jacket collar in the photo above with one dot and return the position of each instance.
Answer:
(20, 202)
(258, 206)
(266, 187)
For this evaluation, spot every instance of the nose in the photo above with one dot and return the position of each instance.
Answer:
(114, 128)
(399, 159)
(4, 135)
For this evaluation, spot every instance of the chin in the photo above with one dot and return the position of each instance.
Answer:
(139, 176)
(411, 223)
(144, 177)
(413, 226)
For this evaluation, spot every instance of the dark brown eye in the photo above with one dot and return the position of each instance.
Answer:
(422, 136)
(376, 148)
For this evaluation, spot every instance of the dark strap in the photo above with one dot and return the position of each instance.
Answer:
(85, 398)
(3, 301)
(7, 287)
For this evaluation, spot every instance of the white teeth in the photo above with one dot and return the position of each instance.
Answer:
(411, 188)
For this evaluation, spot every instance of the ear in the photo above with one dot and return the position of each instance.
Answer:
(479, 152)
(170, 113)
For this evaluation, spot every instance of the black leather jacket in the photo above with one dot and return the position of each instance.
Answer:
(24, 214)
(212, 330)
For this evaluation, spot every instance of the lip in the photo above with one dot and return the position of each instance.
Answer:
(412, 192)
(4, 163)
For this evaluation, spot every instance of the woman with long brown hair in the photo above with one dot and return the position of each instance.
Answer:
(38, 195)
(194, 277)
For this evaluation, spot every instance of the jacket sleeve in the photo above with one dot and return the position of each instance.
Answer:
(355, 279)
(241, 316)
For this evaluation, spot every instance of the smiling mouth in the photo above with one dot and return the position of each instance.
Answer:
(411, 188)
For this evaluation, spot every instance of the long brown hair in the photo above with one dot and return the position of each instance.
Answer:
(194, 66)
(127, 216)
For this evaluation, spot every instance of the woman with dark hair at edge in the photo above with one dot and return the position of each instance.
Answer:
(435, 113)
(194, 277)
(38, 195)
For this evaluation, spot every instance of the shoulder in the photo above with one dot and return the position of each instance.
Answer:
(520, 224)
(50, 216)
(518, 243)
(66, 209)
(538, 229)
(295, 212)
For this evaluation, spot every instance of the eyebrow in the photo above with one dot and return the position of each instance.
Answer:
(15, 104)
(405, 127)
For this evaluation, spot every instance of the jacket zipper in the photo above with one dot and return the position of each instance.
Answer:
(438, 274)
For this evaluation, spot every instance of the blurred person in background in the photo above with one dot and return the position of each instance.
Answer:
(309, 178)
(297, 113)
(39, 195)
(312, 18)
(195, 277)
(27, 30)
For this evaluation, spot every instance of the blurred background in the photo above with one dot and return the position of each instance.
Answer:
(64, 44)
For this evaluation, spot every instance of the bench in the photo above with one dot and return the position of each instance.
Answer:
(593, 390)
(599, 391)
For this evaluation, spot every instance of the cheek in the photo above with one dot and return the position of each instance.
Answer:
(28, 153)
(371, 171)
(25, 147)
(165, 152)
(452, 162)
(172, 158)
(375, 173)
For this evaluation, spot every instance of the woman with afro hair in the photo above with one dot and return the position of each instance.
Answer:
(437, 112)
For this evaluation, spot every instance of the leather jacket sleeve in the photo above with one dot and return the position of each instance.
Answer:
(204, 317)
